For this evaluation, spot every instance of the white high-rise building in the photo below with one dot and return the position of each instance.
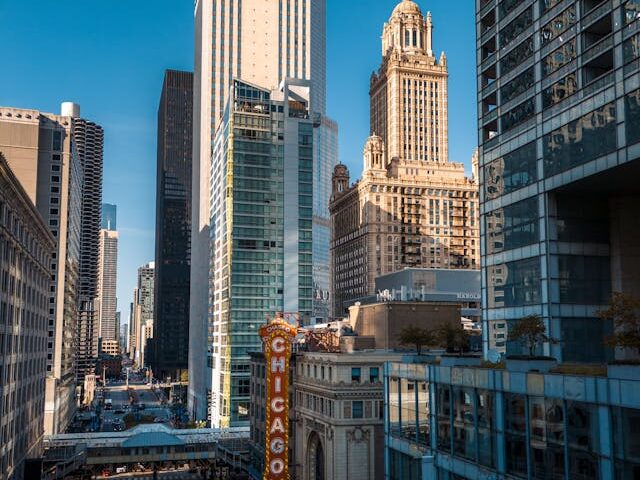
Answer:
(261, 42)
(107, 282)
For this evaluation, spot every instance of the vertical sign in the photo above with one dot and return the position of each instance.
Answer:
(277, 338)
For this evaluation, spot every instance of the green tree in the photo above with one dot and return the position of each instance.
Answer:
(453, 337)
(624, 312)
(530, 331)
(419, 337)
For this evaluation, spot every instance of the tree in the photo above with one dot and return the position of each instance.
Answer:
(624, 312)
(531, 331)
(453, 337)
(417, 336)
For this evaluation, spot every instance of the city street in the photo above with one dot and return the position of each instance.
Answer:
(148, 403)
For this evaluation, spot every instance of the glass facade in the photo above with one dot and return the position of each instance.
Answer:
(254, 151)
(581, 140)
(500, 424)
(513, 226)
(559, 108)
(514, 284)
(511, 172)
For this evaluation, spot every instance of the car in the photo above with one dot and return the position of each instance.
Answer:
(122, 469)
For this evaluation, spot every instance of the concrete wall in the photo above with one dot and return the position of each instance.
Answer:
(385, 321)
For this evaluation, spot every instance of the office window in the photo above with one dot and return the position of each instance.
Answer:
(515, 28)
(631, 48)
(546, 420)
(632, 116)
(577, 340)
(516, 434)
(580, 141)
(516, 56)
(559, 57)
(394, 406)
(626, 442)
(513, 226)
(583, 438)
(485, 412)
(558, 25)
(514, 284)
(464, 434)
(631, 11)
(518, 115)
(374, 374)
(357, 409)
(355, 374)
(560, 90)
(512, 171)
(517, 86)
(443, 415)
(584, 280)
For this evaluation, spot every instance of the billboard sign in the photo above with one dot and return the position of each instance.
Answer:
(277, 338)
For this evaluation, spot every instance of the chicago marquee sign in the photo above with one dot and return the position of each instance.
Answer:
(277, 338)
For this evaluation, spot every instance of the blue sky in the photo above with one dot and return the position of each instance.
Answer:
(109, 56)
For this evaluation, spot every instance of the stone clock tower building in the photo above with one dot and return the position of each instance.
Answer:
(412, 207)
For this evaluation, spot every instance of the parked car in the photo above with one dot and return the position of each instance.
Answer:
(122, 469)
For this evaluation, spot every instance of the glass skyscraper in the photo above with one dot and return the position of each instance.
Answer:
(558, 105)
(289, 42)
(261, 231)
(173, 226)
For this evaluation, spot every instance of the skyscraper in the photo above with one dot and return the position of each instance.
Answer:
(108, 217)
(144, 310)
(24, 258)
(558, 105)
(89, 140)
(409, 97)
(40, 149)
(107, 279)
(412, 207)
(261, 238)
(173, 225)
(287, 40)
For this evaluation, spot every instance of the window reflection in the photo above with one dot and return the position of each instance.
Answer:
(546, 419)
(511, 172)
(582, 438)
(444, 417)
(423, 409)
(559, 58)
(486, 436)
(513, 226)
(560, 91)
(517, 86)
(464, 442)
(631, 11)
(409, 411)
(581, 140)
(516, 56)
(518, 115)
(515, 434)
(514, 284)
(631, 48)
(558, 25)
(632, 117)
(394, 407)
(516, 27)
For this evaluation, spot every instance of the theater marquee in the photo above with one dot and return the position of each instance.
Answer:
(277, 338)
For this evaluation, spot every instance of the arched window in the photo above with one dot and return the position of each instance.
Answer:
(406, 38)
